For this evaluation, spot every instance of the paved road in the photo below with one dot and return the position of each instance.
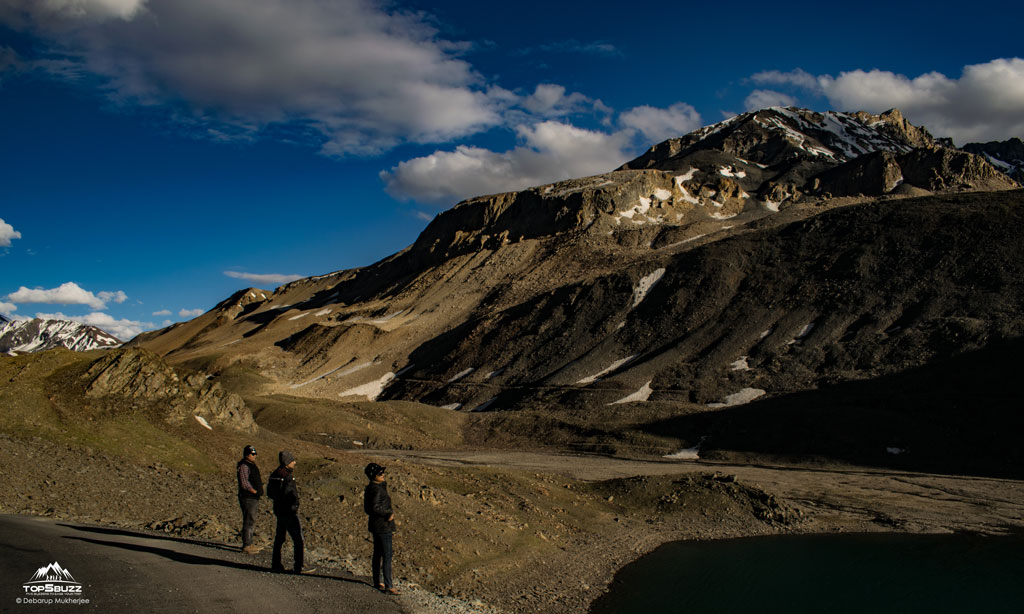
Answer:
(126, 571)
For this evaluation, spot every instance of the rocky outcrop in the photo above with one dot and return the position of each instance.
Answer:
(893, 125)
(778, 137)
(933, 169)
(872, 174)
(142, 376)
(944, 169)
(1007, 156)
(242, 302)
(792, 152)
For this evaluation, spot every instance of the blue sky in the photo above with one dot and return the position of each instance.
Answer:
(157, 155)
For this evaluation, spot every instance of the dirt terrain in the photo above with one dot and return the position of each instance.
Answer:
(485, 523)
(509, 531)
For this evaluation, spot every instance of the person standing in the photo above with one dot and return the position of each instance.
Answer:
(250, 489)
(285, 494)
(381, 521)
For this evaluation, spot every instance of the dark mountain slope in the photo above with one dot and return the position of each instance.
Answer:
(958, 415)
(852, 293)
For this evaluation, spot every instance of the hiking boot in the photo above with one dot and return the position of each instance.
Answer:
(251, 549)
(304, 571)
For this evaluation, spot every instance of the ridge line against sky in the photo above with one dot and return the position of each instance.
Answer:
(261, 141)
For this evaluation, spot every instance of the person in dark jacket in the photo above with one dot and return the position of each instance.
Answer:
(285, 494)
(381, 522)
(250, 489)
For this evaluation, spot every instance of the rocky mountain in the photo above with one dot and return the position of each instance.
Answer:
(777, 254)
(23, 336)
(786, 154)
(1007, 156)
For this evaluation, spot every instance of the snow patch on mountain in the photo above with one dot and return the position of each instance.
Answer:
(645, 285)
(615, 365)
(740, 364)
(370, 390)
(742, 397)
(685, 454)
(639, 396)
(461, 375)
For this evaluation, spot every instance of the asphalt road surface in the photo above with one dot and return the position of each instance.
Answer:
(127, 571)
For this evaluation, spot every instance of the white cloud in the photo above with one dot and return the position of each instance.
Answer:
(112, 297)
(68, 293)
(191, 313)
(7, 307)
(162, 312)
(761, 99)
(551, 151)
(7, 234)
(362, 76)
(798, 78)
(263, 278)
(656, 125)
(550, 100)
(123, 329)
(985, 103)
(166, 323)
(81, 9)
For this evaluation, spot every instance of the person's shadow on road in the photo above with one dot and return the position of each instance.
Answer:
(188, 559)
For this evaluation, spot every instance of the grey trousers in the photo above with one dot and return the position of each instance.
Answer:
(248, 505)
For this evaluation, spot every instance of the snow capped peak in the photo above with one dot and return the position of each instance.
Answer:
(25, 336)
(777, 135)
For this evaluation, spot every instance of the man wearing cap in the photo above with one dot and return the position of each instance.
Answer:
(282, 489)
(377, 505)
(250, 488)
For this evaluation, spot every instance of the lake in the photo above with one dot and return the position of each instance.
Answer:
(825, 573)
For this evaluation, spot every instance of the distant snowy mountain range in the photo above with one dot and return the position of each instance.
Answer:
(24, 336)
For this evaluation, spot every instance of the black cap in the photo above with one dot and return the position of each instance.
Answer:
(373, 470)
(285, 457)
(248, 450)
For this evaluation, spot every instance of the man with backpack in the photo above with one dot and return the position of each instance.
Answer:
(285, 494)
(250, 489)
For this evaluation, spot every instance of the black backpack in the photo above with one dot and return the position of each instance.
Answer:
(274, 487)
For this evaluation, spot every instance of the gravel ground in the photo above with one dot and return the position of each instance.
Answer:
(534, 534)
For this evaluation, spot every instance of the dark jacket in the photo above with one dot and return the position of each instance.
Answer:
(254, 480)
(377, 505)
(282, 490)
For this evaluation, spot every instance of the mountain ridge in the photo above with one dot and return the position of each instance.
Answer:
(677, 288)
(37, 335)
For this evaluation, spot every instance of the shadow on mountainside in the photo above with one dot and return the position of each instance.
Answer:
(961, 415)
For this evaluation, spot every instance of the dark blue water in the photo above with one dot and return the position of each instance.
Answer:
(863, 573)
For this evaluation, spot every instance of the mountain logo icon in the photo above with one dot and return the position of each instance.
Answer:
(52, 580)
(52, 573)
